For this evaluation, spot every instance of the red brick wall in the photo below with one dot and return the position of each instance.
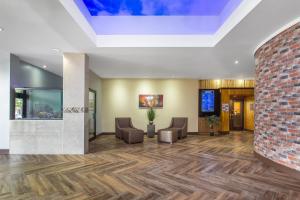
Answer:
(277, 98)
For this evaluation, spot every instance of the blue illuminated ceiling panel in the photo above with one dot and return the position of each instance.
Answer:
(157, 17)
(155, 7)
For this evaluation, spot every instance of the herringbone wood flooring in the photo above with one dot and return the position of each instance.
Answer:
(198, 167)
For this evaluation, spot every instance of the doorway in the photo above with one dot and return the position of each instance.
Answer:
(92, 114)
(237, 114)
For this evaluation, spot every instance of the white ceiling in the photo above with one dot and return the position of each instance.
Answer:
(34, 27)
(157, 23)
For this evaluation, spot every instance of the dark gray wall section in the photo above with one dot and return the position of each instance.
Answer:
(25, 75)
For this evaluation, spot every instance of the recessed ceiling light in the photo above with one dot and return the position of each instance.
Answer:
(1, 29)
(56, 50)
(44, 66)
(236, 62)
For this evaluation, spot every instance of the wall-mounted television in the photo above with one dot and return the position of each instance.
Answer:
(209, 102)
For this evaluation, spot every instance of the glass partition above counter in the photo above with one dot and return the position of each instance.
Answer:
(38, 104)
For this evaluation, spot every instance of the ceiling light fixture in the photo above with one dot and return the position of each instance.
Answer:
(236, 62)
(44, 66)
(1, 29)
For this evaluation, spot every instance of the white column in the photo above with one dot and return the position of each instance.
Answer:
(75, 100)
(4, 100)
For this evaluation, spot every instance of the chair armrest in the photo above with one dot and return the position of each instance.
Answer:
(185, 124)
(134, 127)
(141, 130)
(160, 130)
(118, 127)
(171, 124)
(131, 125)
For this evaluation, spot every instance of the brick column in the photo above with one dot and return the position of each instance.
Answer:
(277, 99)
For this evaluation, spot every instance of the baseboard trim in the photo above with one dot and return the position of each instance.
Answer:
(279, 167)
(106, 133)
(193, 133)
(113, 133)
(224, 132)
(4, 151)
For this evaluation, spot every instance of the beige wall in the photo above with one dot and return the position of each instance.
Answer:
(120, 99)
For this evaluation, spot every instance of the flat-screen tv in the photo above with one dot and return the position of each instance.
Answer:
(209, 102)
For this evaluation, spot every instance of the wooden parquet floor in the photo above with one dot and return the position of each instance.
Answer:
(196, 168)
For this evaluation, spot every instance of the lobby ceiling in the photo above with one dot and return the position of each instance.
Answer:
(155, 17)
(158, 23)
(33, 28)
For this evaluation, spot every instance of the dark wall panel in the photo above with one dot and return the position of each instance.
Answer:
(25, 75)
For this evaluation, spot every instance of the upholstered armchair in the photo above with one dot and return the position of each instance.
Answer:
(122, 124)
(179, 124)
(126, 131)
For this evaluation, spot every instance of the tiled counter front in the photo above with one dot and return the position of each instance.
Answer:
(277, 96)
(36, 137)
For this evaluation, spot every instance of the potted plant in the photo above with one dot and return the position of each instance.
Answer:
(212, 121)
(151, 127)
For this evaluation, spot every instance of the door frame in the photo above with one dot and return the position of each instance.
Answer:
(241, 99)
(95, 117)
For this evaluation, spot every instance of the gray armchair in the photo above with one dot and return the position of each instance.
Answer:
(126, 131)
(180, 124)
(121, 124)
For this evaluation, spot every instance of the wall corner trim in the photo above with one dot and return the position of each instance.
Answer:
(282, 168)
(277, 32)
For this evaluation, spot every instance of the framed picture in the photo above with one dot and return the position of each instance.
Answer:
(154, 101)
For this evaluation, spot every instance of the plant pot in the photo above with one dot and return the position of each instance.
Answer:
(150, 130)
(212, 134)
